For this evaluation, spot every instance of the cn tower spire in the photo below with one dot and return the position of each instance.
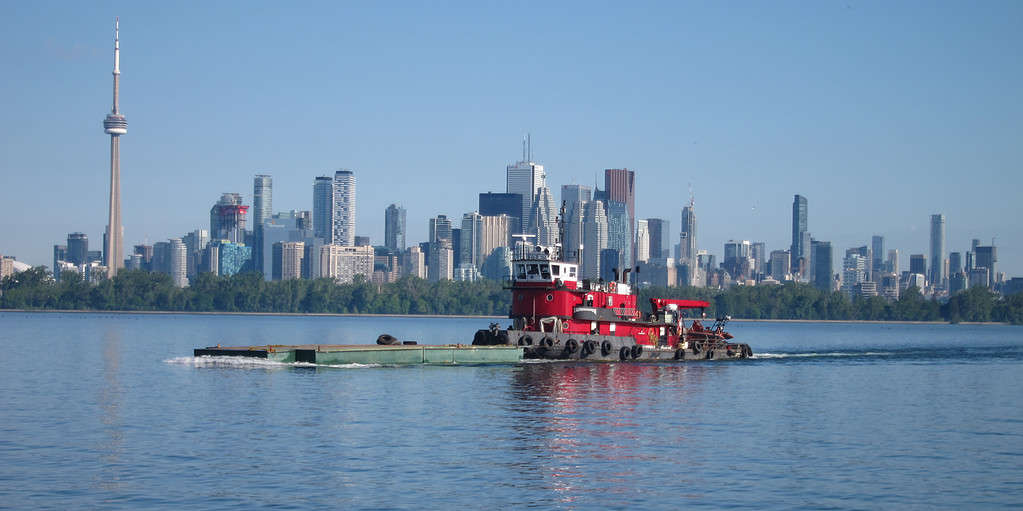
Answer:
(115, 125)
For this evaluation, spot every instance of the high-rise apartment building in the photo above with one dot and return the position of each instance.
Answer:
(986, 257)
(178, 262)
(937, 273)
(394, 228)
(77, 248)
(288, 260)
(323, 208)
(262, 208)
(780, 264)
(822, 265)
(892, 264)
(440, 229)
(687, 238)
(442, 260)
(342, 263)
(918, 264)
(525, 178)
(469, 240)
(877, 257)
(227, 218)
(262, 199)
(343, 227)
(798, 250)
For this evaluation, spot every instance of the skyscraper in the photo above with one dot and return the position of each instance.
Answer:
(594, 238)
(77, 248)
(620, 185)
(494, 204)
(877, 254)
(262, 208)
(798, 250)
(642, 241)
(115, 125)
(574, 233)
(660, 237)
(570, 194)
(619, 236)
(525, 178)
(323, 209)
(262, 199)
(178, 262)
(687, 238)
(543, 218)
(823, 268)
(227, 218)
(937, 272)
(440, 228)
(343, 227)
(394, 228)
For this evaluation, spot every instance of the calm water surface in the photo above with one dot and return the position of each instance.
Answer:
(111, 411)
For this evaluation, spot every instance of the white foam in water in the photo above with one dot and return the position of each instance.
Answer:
(253, 362)
(832, 354)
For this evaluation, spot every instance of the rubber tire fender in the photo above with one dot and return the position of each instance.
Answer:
(571, 346)
(502, 337)
(547, 341)
(636, 351)
(624, 353)
(605, 348)
(525, 340)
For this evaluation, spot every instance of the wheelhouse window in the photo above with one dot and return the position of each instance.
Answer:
(571, 272)
(556, 269)
(545, 271)
(520, 271)
(533, 270)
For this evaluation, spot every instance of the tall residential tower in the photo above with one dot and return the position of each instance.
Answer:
(799, 251)
(115, 125)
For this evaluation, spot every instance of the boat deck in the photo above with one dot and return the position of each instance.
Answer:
(401, 354)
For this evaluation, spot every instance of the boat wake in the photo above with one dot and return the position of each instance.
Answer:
(833, 354)
(253, 363)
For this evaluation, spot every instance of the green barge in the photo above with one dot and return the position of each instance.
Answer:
(399, 354)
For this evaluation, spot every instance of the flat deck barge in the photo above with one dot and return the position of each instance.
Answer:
(401, 354)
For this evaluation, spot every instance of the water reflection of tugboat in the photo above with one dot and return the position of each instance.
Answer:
(558, 316)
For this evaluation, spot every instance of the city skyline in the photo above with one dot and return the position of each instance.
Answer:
(742, 171)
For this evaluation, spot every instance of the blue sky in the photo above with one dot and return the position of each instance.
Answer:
(880, 113)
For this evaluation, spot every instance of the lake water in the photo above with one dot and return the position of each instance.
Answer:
(111, 411)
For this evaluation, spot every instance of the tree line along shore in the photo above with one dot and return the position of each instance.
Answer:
(249, 292)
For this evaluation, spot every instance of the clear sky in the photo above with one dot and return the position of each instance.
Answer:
(880, 113)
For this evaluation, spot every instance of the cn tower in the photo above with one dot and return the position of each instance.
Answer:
(115, 125)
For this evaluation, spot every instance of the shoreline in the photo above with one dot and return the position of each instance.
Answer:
(466, 316)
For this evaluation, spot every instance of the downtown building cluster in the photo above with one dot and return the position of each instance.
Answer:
(864, 271)
(596, 228)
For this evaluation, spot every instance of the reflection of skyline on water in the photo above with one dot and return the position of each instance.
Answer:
(574, 416)
(111, 397)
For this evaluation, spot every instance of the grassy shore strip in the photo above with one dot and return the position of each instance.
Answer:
(461, 316)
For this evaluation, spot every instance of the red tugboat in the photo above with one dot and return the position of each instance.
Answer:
(558, 316)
